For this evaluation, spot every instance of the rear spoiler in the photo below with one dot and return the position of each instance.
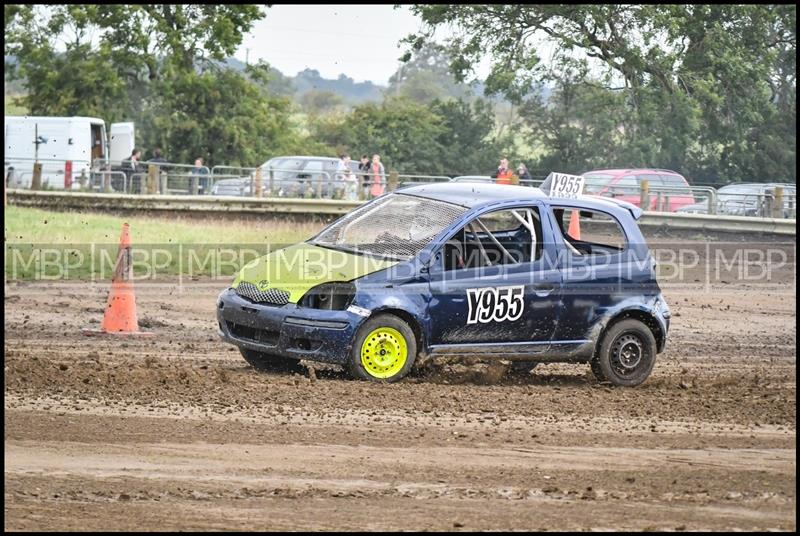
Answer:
(635, 211)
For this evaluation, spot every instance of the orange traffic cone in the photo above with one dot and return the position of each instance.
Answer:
(120, 316)
(574, 225)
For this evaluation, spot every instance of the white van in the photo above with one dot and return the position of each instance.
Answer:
(79, 140)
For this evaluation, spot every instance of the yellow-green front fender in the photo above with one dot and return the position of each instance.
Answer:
(299, 268)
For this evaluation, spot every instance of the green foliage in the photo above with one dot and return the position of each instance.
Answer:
(709, 90)
(157, 65)
(220, 116)
(427, 77)
(444, 137)
(466, 139)
(317, 102)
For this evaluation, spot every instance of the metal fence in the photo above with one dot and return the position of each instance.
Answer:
(171, 178)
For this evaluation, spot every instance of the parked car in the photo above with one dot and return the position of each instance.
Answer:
(625, 184)
(239, 187)
(305, 176)
(448, 268)
(473, 178)
(748, 199)
(292, 176)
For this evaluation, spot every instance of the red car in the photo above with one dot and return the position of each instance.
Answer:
(625, 184)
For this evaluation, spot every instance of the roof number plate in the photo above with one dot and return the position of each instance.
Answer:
(566, 186)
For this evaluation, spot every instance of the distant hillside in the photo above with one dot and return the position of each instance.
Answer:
(352, 92)
(310, 79)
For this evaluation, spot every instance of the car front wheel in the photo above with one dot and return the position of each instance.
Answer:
(384, 349)
(627, 354)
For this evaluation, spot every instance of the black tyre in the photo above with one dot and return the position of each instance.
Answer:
(384, 350)
(523, 367)
(270, 363)
(627, 354)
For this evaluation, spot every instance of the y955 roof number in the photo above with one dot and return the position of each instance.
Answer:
(495, 304)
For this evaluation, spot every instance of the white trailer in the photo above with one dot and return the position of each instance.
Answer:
(54, 141)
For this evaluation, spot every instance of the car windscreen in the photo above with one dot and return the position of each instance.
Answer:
(286, 168)
(396, 226)
(595, 182)
(739, 194)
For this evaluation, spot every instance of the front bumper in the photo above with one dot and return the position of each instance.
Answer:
(288, 330)
(663, 316)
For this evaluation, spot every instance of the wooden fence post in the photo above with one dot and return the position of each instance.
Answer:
(644, 200)
(152, 178)
(259, 185)
(36, 181)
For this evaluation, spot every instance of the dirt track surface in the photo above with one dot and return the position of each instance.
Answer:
(176, 432)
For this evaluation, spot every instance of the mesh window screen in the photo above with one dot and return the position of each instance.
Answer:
(397, 226)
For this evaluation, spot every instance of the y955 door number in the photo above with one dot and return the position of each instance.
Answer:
(495, 304)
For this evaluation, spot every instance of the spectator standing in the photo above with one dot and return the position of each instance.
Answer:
(363, 171)
(378, 176)
(522, 173)
(200, 172)
(345, 173)
(130, 166)
(158, 158)
(504, 175)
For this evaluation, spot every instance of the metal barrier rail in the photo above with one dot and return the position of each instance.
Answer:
(306, 184)
(763, 204)
(329, 208)
(425, 178)
(664, 194)
(103, 180)
(533, 183)
(180, 179)
(17, 178)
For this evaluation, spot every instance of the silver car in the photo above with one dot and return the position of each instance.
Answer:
(305, 176)
(748, 199)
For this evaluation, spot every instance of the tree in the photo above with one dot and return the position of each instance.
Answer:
(702, 85)
(446, 137)
(157, 64)
(404, 133)
(426, 77)
(467, 139)
(219, 115)
(317, 102)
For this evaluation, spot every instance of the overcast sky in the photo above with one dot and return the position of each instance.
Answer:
(360, 41)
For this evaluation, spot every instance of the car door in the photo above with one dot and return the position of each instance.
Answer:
(677, 191)
(499, 306)
(655, 186)
(599, 269)
(626, 188)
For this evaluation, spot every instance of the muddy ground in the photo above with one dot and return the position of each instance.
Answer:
(176, 432)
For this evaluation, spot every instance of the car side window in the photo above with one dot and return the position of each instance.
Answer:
(674, 181)
(590, 232)
(652, 179)
(626, 185)
(509, 236)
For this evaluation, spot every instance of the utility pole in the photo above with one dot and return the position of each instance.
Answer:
(36, 181)
(247, 56)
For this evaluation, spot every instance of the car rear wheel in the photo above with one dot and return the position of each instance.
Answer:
(270, 363)
(627, 354)
(384, 350)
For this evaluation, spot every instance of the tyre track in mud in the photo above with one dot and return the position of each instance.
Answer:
(177, 432)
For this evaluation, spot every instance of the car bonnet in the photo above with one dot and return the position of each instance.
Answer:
(299, 268)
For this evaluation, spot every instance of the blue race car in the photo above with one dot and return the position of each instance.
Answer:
(505, 272)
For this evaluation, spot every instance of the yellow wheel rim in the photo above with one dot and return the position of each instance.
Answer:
(384, 352)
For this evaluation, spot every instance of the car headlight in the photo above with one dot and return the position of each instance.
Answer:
(329, 296)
